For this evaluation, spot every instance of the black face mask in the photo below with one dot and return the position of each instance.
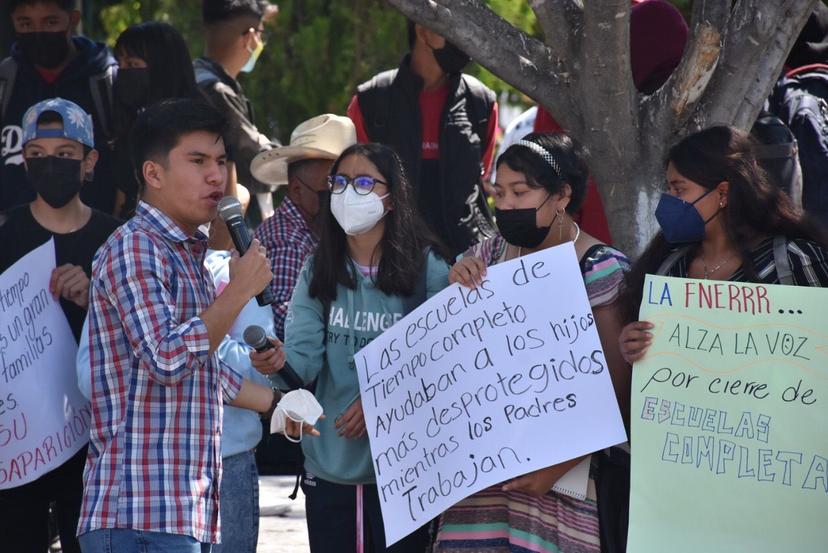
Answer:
(322, 196)
(519, 226)
(57, 180)
(132, 87)
(450, 58)
(45, 49)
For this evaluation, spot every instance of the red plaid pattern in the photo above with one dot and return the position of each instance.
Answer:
(289, 241)
(154, 458)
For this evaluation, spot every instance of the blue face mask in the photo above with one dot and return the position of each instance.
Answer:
(680, 221)
(254, 56)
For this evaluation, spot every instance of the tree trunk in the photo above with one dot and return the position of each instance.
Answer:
(582, 76)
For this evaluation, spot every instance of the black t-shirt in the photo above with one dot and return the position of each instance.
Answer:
(21, 233)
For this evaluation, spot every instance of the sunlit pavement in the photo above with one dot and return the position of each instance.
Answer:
(282, 527)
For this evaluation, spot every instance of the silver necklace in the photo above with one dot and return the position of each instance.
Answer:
(709, 272)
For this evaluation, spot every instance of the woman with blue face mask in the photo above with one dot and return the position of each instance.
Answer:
(375, 263)
(721, 220)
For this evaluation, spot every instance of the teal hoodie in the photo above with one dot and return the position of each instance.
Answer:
(356, 318)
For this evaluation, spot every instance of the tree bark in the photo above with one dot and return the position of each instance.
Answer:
(582, 76)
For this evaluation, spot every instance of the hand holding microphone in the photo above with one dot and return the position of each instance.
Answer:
(252, 267)
(269, 358)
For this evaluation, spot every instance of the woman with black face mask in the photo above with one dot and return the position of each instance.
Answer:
(541, 181)
(721, 220)
(154, 64)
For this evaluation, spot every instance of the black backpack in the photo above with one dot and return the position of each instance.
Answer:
(777, 152)
(799, 100)
(100, 87)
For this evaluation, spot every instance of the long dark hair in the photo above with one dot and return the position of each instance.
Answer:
(755, 209)
(171, 75)
(403, 245)
(569, 156)
(169, 64)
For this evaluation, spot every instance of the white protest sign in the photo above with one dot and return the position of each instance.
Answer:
(478, 386)
(44, 419)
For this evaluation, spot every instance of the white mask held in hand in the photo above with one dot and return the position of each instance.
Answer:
(357, 213)
(299, 406)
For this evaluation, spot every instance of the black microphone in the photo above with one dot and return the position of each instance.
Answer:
(255, 337)
(230, 211)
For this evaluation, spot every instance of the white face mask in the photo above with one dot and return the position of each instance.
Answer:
(299, 406)
(356, 213)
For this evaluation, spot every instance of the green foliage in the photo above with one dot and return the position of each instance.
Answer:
(116, 18)
(319, 51)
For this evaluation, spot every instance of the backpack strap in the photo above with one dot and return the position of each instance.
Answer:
(204, 76)
(8, 73)
(671, 260)
(100, 86)
(783, 264)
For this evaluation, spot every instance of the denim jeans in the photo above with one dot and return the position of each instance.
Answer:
(124, 540)
(239, 506)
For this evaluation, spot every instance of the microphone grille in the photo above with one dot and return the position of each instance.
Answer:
(254, 335)
(229, 208)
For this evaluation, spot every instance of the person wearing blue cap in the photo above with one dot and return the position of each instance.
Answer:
(59, 156)
(49, 59)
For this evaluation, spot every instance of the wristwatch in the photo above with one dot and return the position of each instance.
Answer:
(277, 397)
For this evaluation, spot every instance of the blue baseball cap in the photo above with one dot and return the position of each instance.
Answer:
(77, 124)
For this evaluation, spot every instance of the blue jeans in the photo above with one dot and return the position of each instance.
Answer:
(125, 540)
(239, 504)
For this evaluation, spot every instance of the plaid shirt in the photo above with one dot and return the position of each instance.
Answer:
(154, 460)
(289, 241)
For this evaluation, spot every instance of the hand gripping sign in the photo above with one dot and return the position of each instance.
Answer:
(475, 387)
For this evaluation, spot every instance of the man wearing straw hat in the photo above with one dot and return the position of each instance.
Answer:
(291, 234)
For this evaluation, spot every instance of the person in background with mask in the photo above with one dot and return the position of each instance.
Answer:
(375, 262)
(153, 64)
(59, 154)
(721, 220)
(46, 61)
(235, 36)
(541, 182)
(446, 154)
(292, 233)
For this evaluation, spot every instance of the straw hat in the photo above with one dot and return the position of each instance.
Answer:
(322, 137)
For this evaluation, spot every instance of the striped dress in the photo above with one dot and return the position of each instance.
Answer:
(494, 521)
